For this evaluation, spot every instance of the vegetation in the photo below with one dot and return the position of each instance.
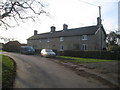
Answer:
(19, 9)
(2, 51)
(8, 72)
(112, 42)
(111, 38)
(76, 59)
(107, 55)
(114, 47)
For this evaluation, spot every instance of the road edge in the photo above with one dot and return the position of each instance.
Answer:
(86, 72)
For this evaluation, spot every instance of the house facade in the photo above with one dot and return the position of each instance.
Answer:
(84, 38)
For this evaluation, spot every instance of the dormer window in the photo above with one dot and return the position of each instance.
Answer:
(61, 39)
(84, 37)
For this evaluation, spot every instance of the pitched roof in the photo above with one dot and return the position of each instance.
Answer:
(89, 30)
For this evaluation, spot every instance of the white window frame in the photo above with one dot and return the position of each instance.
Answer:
(61, 39)
(61, 48)
(84, 47)
(84, 37)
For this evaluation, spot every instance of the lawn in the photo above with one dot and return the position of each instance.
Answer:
(8, 72)
(76, 59)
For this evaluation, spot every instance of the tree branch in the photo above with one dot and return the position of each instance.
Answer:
(20, 9)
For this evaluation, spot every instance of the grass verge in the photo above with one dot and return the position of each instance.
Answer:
(1, 50)
(76, 59)
(8, 72)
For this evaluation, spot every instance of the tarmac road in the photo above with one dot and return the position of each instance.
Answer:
(38, 72)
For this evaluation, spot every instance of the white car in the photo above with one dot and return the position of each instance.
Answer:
(47, 53)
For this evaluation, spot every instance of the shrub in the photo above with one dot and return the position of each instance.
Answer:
(92, 54)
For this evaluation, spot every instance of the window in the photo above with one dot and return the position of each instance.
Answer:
(84, 47)
(48, 40)
(61, 48)
(61, 39)
(84, 37)
(34, 46)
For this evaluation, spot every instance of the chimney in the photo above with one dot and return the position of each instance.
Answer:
(53, 28)
(65, 26)
(99, 21)
(35, 32)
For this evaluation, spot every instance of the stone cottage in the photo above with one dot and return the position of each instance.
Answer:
(84, 38)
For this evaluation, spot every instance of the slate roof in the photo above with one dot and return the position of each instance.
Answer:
(89, 30)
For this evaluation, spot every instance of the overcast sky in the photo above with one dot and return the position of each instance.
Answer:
(74, 13)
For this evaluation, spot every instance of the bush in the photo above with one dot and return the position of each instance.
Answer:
(114, 48)
(111, 55)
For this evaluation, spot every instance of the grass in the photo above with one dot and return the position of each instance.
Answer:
(8, 72)
(76, 59)
(2, 51)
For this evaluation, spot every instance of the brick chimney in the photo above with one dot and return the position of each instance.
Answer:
(99, 21)
(35, 32)
(65, 26)
(53, 28)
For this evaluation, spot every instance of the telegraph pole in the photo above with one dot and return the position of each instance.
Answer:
(100, 32)
(100, 27)
(99, 13)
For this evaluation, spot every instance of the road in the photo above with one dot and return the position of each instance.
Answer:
(38, 72)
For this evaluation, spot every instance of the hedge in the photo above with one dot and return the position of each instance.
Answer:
(110, 55)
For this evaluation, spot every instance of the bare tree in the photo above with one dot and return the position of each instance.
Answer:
(19, 10)
(6, 39)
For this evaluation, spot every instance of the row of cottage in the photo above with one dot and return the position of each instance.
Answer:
(83, 38)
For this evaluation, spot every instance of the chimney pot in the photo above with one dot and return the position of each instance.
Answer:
(53, 28)
(65, 26)
(35, 32)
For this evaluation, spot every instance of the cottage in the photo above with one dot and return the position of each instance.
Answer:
(83, 38)
(12, 46)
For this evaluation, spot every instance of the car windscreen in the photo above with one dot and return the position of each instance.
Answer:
(49, 50)
(28, 48)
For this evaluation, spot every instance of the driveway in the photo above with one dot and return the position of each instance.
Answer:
(39, 72)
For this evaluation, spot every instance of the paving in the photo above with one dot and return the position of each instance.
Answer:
(106, 73)
(39, 72)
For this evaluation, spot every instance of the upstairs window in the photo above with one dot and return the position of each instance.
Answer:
(61, 39)
(84, 37)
